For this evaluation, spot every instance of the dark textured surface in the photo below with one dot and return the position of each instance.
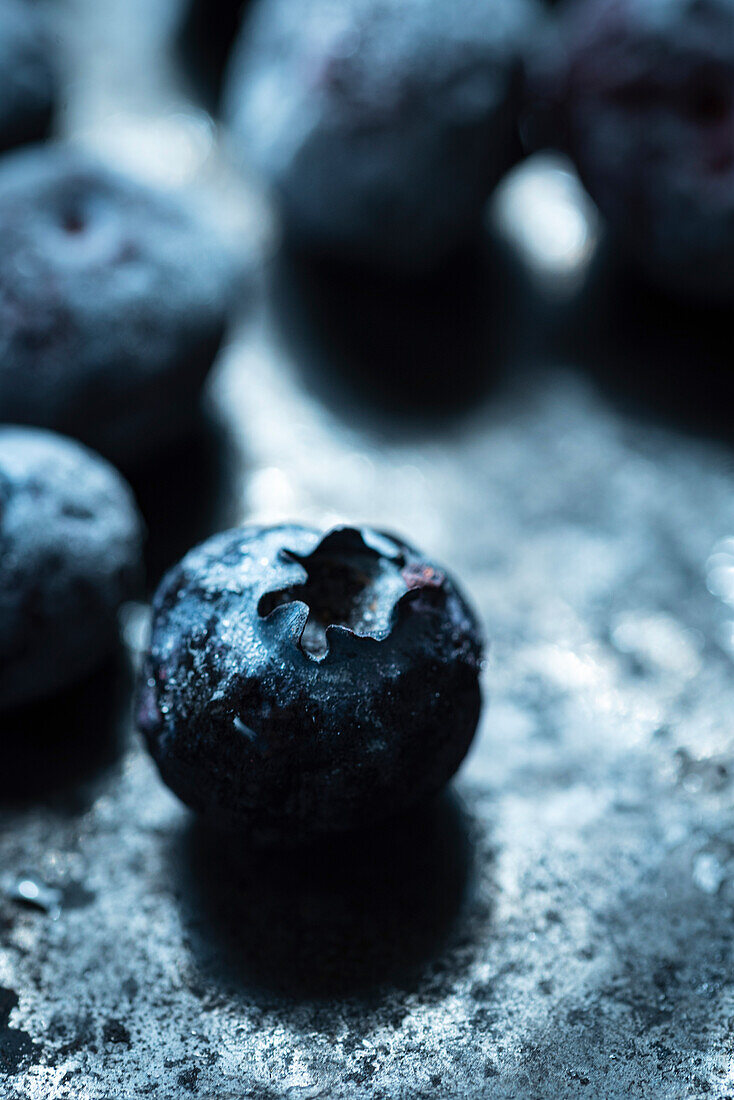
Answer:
(564, 928)
(302, 682)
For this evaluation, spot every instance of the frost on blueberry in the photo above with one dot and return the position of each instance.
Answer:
(299, 683)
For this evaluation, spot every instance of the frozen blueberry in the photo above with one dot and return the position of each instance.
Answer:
(70, 553)
(300, 683)
(381, 125)
(643, 94)
(113, 301)
(27, 75)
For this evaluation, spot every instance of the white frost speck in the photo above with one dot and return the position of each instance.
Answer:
(708, 873)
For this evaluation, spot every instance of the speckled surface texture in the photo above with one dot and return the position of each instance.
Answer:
(562, 926)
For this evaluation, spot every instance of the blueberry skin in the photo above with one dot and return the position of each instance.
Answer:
(28, 79)
(70, 554)
(642, 94)
(113, 299)
(382, 126)
(285, 723)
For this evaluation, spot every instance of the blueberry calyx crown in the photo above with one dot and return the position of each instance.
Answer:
(355, 585)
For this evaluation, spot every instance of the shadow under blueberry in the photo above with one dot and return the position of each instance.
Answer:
(56, 750)
(653, 354)
(203, 43)
(348, 917)
(185, 493)
(395, 351)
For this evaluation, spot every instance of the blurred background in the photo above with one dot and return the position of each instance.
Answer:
(556, 429)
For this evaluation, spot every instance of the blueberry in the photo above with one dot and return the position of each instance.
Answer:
(28, 79)
(300, 683)
(70, 553)
(381, 125)
(643, 96)
(113, 300)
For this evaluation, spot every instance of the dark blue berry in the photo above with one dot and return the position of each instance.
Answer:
(381, 125)
(113, 300)
(70, 553)
(300, 683)
(643, 96)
